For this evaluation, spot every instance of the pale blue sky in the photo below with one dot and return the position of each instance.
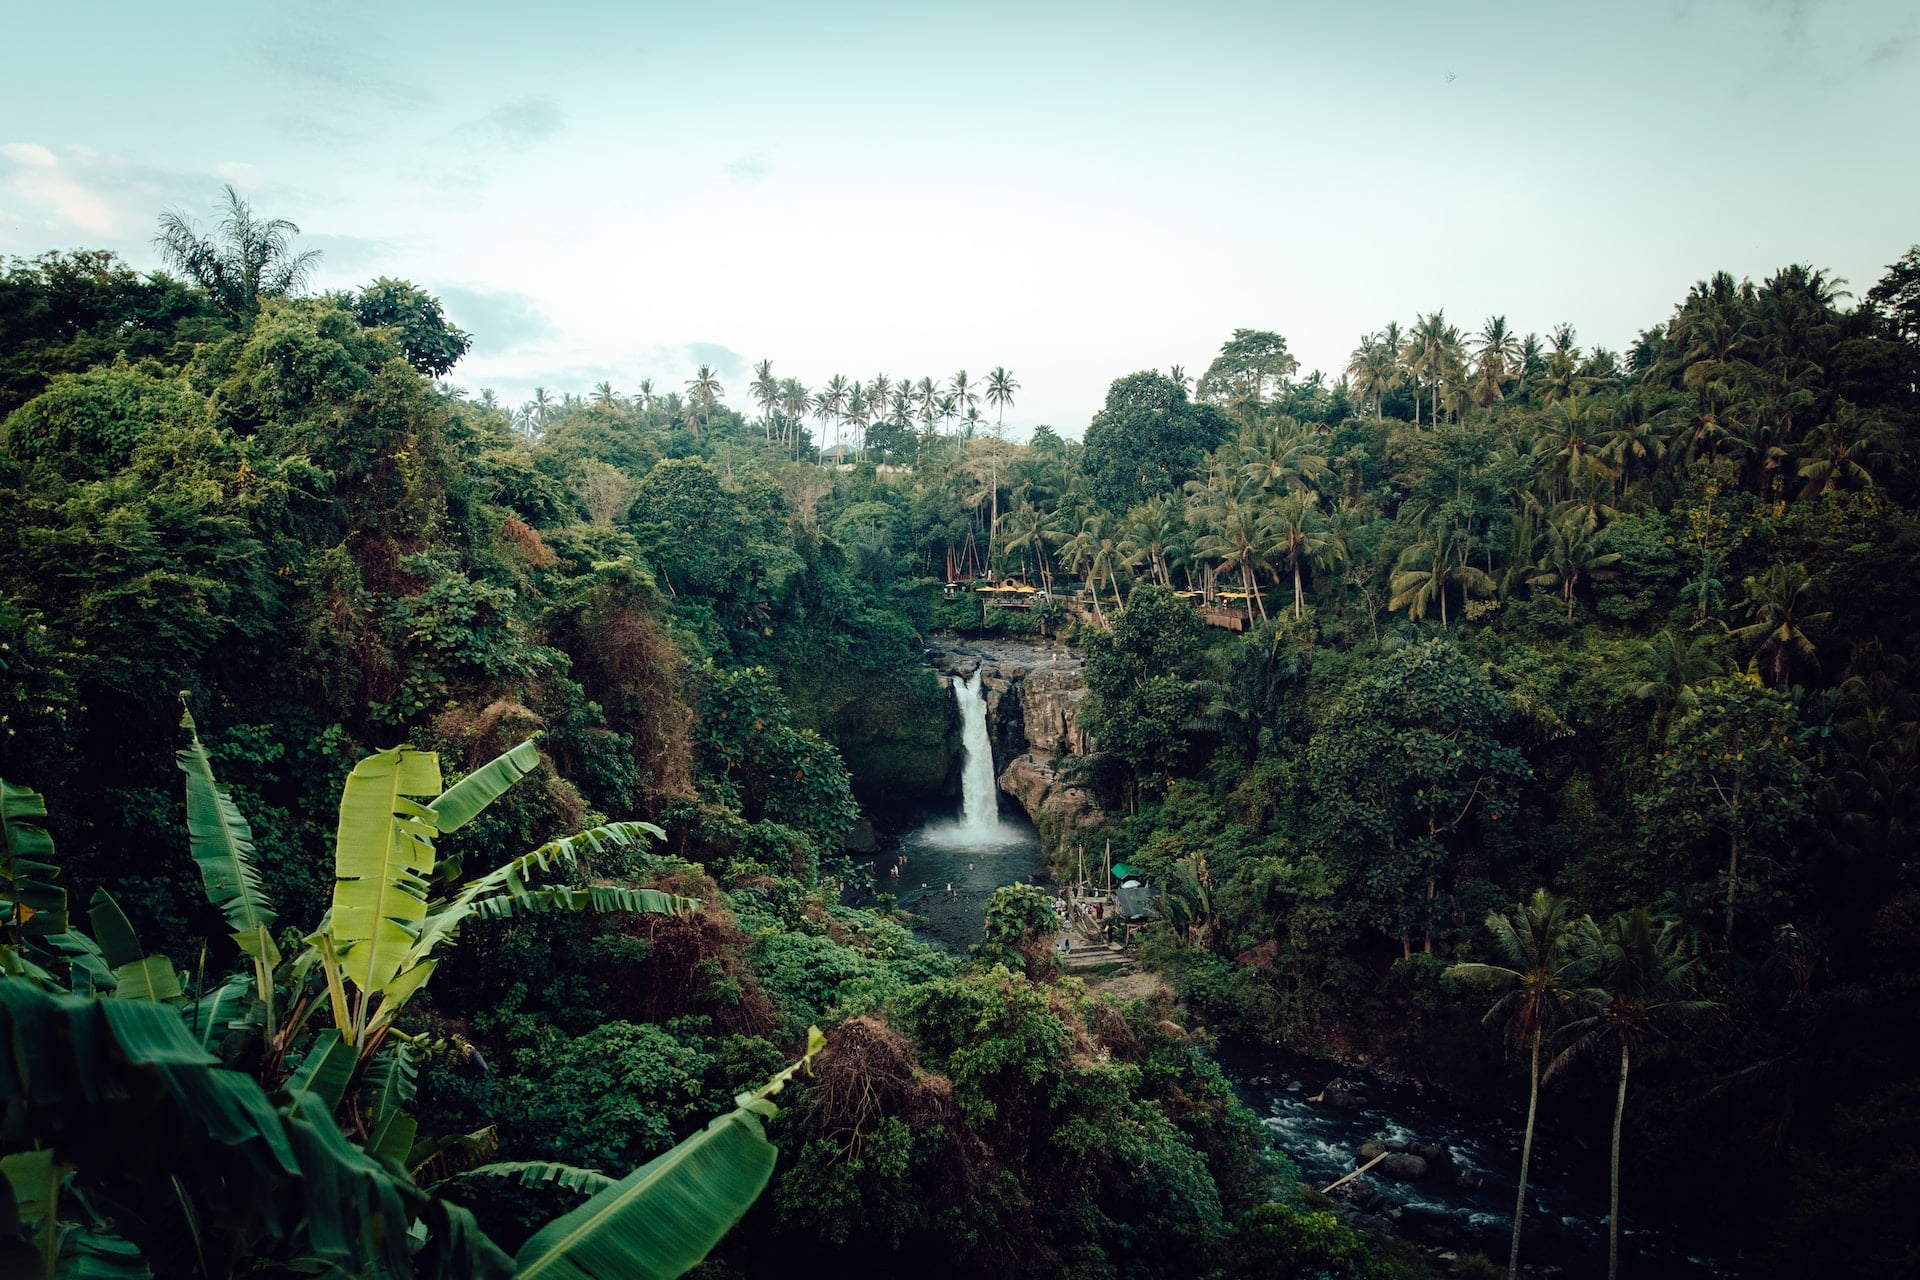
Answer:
(1074, 191)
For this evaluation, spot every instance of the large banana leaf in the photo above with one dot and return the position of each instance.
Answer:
(598, 898)
(511, 878)
(541, 1173)
(120, 1090)
(464, 800)
(137, 975)
(382, 852)
(221, 842)
(660, 1220)
(35, 941)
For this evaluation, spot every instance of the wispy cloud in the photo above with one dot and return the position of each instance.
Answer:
(522, 122)
(500, 320)
(82, 191)
(752, 168)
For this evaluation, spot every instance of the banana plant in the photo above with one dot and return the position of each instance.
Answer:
(375, 948)
(105, 1080)
(222, 846)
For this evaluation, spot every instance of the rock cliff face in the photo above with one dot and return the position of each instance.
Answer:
(1042, 755)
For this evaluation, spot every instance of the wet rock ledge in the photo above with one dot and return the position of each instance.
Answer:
(1042, 755)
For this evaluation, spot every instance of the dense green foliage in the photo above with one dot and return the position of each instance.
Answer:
(1511, 614)
(258, 500)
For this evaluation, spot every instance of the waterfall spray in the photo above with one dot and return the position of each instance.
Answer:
(979, 794)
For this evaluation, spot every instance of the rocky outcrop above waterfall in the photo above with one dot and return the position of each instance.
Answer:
(1043, 756)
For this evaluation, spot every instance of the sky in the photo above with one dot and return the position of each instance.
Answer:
(1074, 191)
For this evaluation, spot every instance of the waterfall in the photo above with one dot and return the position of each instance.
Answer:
(979, 793)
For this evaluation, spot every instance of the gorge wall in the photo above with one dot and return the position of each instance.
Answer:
(1043, 758)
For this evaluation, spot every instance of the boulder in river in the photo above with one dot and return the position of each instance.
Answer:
(1402, 1167)
(1339, 1093)
(1431, 1152)
(1468, 1180)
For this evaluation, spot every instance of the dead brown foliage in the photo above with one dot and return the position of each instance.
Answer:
(697, 964)
(525, 540)
(634, 671)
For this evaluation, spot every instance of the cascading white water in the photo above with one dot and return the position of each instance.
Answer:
(979, 793)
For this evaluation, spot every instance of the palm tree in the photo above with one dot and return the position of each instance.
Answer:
(1030, 531)
(252, 259)
(1151, 528)
(1496, 355)
(964, 395)
(927, 392)
(1778, 601)
(1301, 538)
(704, 392)
(765, 390)
(1235, 539)
(795, 400)
(1835, 450)
(1573, 556)
(644, 394)
(1636, 435)
(1645, 976)
(1428, 569)
(1546, 957)
(1374, 368)
(830, 403)
(1679, 668)
(1433, 356)
(1179, 376)
(1000, 388)
(1281, 457)
(1095, 552)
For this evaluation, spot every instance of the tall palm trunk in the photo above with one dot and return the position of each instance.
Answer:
(1613, 1206)
(1298, 608)
(1526, 1159)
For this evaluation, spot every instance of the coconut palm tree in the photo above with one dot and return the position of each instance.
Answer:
(246, 260)
(1094, 552)
(1573, 556)
(1029, 531)
(1545, 959)
(1233, 538)
(1282, 457)
(1496, 357)
(1001, 386)
(1150, 531)
(1680, 666)
(927, 393)
(1434, 356)
(1430, 568)
(965, 393)
(795, 401)
(1837, 452)
(1644, 990)
(1374, 368)
(1301, 539)
(1779, 602)
(765, 390)
(644, 394)
(703, 394)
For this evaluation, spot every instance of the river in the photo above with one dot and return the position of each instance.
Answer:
(1565, 1227)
